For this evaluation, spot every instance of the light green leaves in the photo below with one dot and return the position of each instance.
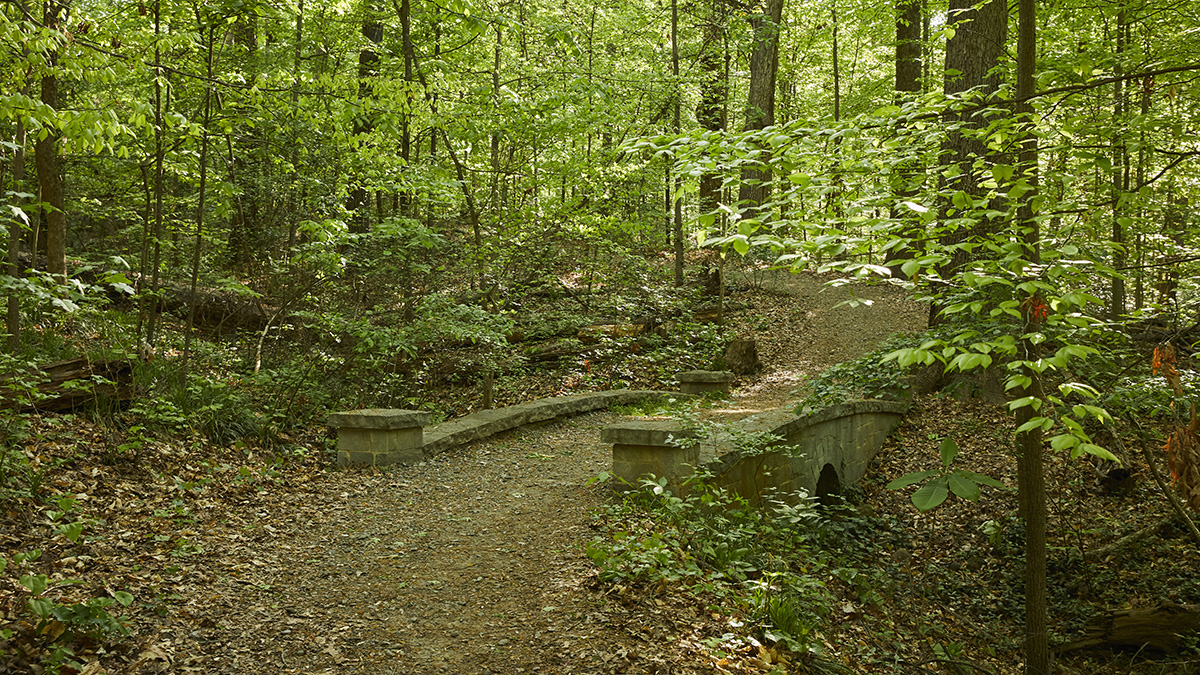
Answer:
(945, 481)
(931, 495)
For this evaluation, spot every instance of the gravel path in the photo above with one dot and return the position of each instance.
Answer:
(473, 562)
(459, 565)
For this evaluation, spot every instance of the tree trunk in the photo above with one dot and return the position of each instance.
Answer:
(296, 193)
(148, 305)
(69, 385)
(1120, 174)
(46, 158)
(12, 321)
(972, 54)
(765, 20)
(1162, 628)
(905, 180)
(406, 45)
(358, 203)
(676, 94)
(199, 243)
(908, 48)
(710, 113)
(245, 170)
(1031, 481)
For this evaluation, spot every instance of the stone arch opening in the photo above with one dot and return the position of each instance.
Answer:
(829, 485)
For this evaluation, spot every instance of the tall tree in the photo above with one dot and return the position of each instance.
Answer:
(12, 320)
(907, 84)
(45, 150)
(973, 53)
(714, 90)
(358, 201)
(1120, 169)
(908, 48)
(1030, 473)
(766, 23)
(677, 104)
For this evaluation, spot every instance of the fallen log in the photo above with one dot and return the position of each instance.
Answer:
(593, 334)
(215, 310)
(556, 350)
(1158, 628)
(69, 385)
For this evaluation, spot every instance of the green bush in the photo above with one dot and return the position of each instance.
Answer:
(772, 564)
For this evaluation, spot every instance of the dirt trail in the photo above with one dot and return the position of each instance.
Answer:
(472, 562)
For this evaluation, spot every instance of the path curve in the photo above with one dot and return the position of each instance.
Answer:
(470, 561)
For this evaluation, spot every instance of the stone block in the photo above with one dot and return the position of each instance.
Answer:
(642, 448)
(378, 418)
(378, 437)
(644, 432)
(704, 381)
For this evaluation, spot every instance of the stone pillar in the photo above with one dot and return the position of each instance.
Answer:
(378, 437)
(703, 381)
(642, 448)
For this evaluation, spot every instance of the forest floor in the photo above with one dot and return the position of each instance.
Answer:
(473, 562)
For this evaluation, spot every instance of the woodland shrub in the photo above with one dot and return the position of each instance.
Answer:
(782, 566)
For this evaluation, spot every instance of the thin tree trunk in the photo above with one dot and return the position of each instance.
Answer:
(358, 201)
(908, 85)
(837, 73)
(12, 321)
(296, 201)
(1030, 474)
(151, 309)
(1120, 179)
(202, 194)
(406, 197)
(493, 189)
(678, 203)
(713, 92)
(46, 157)
(1139, 293)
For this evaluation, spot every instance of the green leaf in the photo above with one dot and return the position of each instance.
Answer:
(931, 494)
(36, 583)
(1043, 422)
(1093, 449)
(1033, 401)
(963, 487)
(948, 450)
(41, 607)
(1064, 442)
(982, 479)
(1018, 381)
(71, 531)
(910, 478)
(123, 597)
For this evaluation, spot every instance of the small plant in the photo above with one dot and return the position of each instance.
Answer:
(866, 377)
(57, 618)
(964, 484)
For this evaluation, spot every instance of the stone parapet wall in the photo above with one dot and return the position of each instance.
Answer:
(486, 423)
(379, 437)
(819, 450)
(845, 436)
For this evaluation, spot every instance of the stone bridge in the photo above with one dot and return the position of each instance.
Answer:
(818, 452)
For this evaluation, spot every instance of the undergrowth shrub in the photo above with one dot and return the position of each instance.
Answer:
(866, 377)
(775, 564)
